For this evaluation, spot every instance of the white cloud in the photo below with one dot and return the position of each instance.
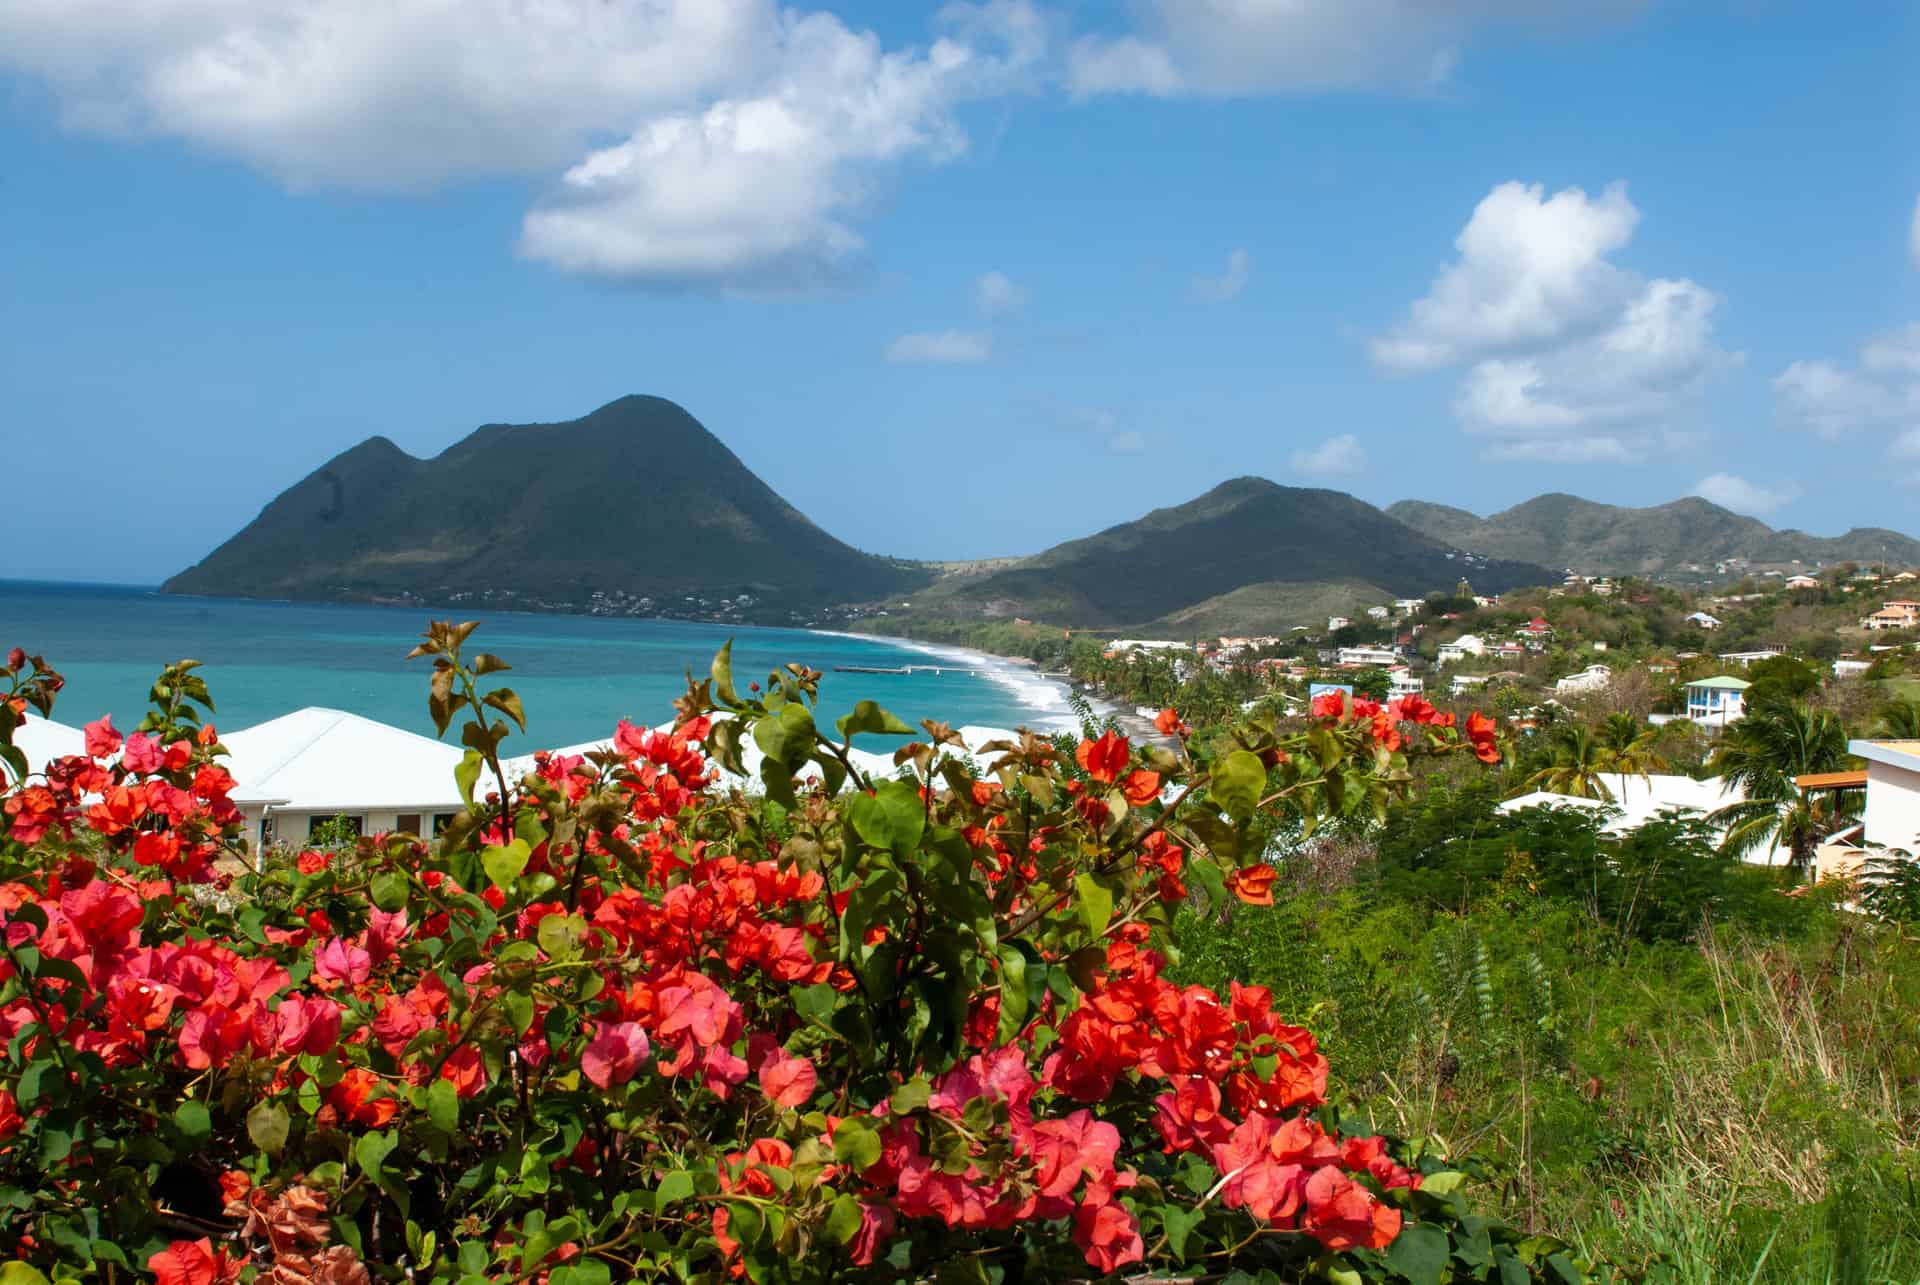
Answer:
(1229, 284)
(941, 348)
(1568, 356)
(1878, 394)
(1127, 442)
(1223, 48)
(1334, 457)
(998, 295)
(749, 138)
(1732, 492)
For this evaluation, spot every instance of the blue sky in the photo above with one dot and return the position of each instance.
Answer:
(966, 281)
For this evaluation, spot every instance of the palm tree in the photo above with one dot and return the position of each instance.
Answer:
(1630, 746)
(1900, 720)
(1762, 754)
(1579, 764)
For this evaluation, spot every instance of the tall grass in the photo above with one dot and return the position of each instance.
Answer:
(1744, 1107)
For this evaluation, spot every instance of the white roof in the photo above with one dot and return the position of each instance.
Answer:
(327, 760)
(876, 763)
(42, 740)
(1640, 799)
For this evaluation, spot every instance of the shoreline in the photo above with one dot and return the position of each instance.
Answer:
(1138, 729)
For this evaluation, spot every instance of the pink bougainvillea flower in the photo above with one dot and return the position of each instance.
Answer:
(102, 740)
(615, 1053)
(789, 1080)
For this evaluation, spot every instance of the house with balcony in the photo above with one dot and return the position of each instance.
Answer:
(1593, 678)
(1899, 614)
(1715, 702)
(1461, 648)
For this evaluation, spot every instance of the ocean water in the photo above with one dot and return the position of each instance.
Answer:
(577, 676)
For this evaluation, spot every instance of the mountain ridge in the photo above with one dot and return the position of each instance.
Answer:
(1568, 532)
(636, 496)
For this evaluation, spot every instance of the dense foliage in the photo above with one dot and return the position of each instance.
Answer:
(624, 1020)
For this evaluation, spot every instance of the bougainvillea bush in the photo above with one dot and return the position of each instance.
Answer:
(624, 1020)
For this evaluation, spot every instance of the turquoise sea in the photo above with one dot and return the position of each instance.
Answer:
(576, 675)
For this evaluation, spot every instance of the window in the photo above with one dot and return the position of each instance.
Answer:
(407, 822)
(441, 820)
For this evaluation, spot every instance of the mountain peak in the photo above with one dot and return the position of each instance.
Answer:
(636, 497)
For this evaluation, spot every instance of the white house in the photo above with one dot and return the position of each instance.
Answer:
(42, 740)
(1639, 799)
(1593, 678)
(1401, 682)
(1338, 622)
(1463, 683)
(1892, 816)
(1851, 668)
(1462, 647)
(1748, 657)
(1715, 702)
(1407, 606)
(1379, 613)
(315, 764)
(1364, 657)
(1900, 614)
(1703, 620)
(1802, 582)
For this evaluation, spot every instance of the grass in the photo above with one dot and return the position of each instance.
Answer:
(1740, 1108)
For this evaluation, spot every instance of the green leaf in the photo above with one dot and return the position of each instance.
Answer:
(1096, 903)
(467, 773)
(1237, 782)
(443, 1107)
(1179, 1224)
(856, 1144)
(722, 674)
(1419, 1253)
(519, 1006)
(1013, 992)
(892, 817)
(843, 1220)
(19, 1273)
(267, 1126)
(867, 716)
(503, 865)
(673, 1189)
(389, 890)
(507, 702)
(1442, 1183)
(193, 1121)
(560, 935)
(371, 1152)
(786, 737)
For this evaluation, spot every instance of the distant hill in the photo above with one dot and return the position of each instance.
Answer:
(636, 497)
(1567, 532)
(1248, 552)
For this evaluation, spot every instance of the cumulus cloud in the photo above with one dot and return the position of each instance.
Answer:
(747, 138)
(1335, 457)
(1228, 284)
(1880, 393)
(941, 348)
(1567, 356)
(1737, 493)
(998, 295)
(1222, 48)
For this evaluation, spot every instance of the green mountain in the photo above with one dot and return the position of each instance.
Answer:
(1565, 531)
(636, 498)
(1247, 551)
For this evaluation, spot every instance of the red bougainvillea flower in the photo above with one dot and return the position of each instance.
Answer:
(355, 1098)
(195, 1262)
(102, 740)
(1341, 1214)
(1254, 885)
(1104, 759)
(1169, 723)
(615, 1053)
(1109, 1235)
(1328, 704)
(788, 1079)
(141, 754)
(1140, 787)
(10, 1121)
